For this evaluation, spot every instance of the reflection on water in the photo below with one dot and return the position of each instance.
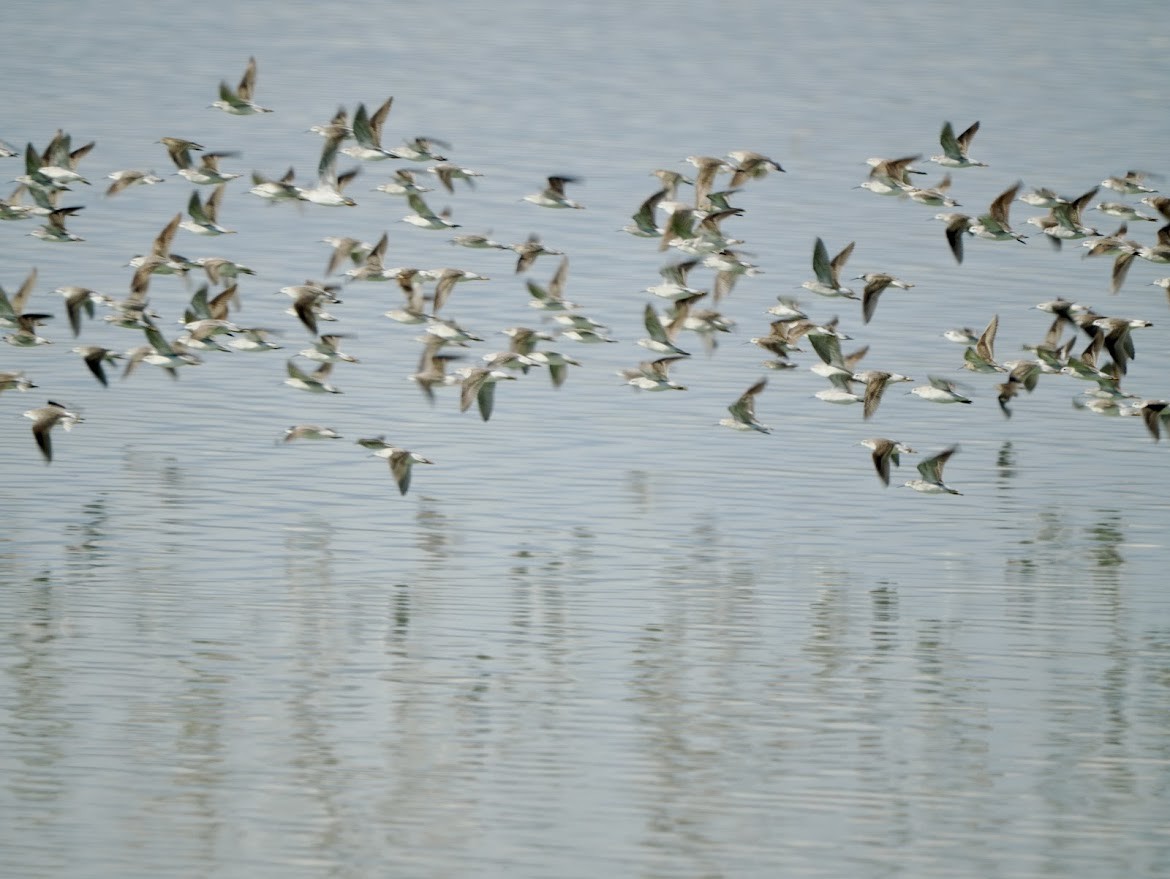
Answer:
(456, 710)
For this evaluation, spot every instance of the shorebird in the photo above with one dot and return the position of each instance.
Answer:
(528, 250)
(450, 332)
(1130, 183)
(207, 172)
(12, 308)
(842, 393)
(282, 189)
(252, 339)
(661, 337)
(432, 368)
(315, 382)
(674, 285)
(45, 419)
(479, 386)
(326, 350)
(54, 227)
(981, 358)
(445, 281)
(401, 461)
(239, 102)
(1123, 211)
(935, 196)
(750, 165)
(875, 283)
(1063, 221)
(15, 381)
(309, 431)
(308, 299)
(743, 410)
(1041, 197)
(26, 335)
(940, 390)
(367, 131)
(448, 173)
(59, 161)
(707, 167)
(1118, 339)
(424, 217)
(403, 183)
(876, 381)
(653, 375)
(994, 224)
(159, 352)
(553, 195)
(77, 300)
(551, 298)
(130, 177)
(930, 470)
(958, 225)
(644, 221)
(204, 215)
(558, 364)
(330, 184)
(885, 451)
(421, 149)
(954, 154)
(220, 270)
(827, 282)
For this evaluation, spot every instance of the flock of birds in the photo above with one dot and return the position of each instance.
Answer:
(691, 229)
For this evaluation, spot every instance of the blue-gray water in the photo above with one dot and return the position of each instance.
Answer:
(601, 635)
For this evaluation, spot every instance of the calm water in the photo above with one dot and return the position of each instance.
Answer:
(601, 635)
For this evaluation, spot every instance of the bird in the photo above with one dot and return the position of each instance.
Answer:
(316, 382)
(424, 217)
(551, 298)
(401, 461)
(644, 223)
(994, 224)
(281, 189)
(876, 381)
(653, 375)
(743, 410)
(239, 102)
(958, 225)
(326, 350)
(661, 337)
(553, 195)
(204, 215)
(479, 386)
(367, 131)
(131, 177)
(309, 431)
(95, 357)
(448, 173)
(875, 283)
(15, 381)
(940, 390)
(981, 358)
(827, 272)
(330, 185)
(750, 165)
(885, 451)
(930, 470)
(54, 227)
(528, 250)
(47, 417)
(1129, 183)
(954, 154)
(420, 149)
